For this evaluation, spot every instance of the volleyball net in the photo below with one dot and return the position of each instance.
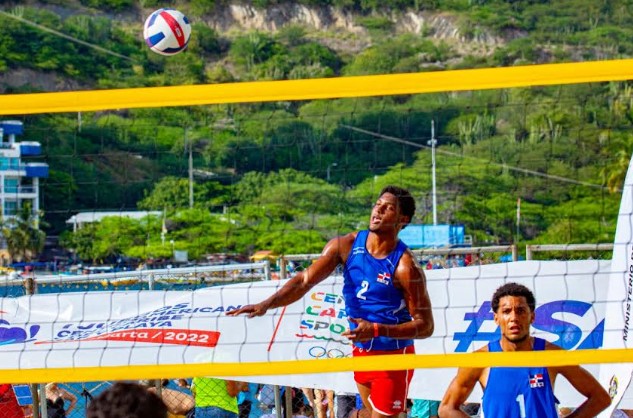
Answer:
(176, 332)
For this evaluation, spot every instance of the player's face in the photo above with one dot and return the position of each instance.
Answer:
(385, 213)
(514, 317)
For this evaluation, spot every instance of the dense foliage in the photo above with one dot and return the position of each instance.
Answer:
(289, 176)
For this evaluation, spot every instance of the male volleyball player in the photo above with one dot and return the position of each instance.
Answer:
(385, 295)
(521, 392)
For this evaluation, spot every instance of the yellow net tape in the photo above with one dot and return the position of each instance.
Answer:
(326, 88)
(390, 362)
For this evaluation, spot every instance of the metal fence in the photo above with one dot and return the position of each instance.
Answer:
(437, 257)
(569, 251)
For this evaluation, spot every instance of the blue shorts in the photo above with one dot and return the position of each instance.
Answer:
(213, 412)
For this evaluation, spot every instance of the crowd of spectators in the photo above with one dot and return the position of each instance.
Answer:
(208, 397)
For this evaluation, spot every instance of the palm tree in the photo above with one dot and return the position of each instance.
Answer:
(619, 149)
(22, 235)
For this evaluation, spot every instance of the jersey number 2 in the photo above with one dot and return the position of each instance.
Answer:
(364, 286)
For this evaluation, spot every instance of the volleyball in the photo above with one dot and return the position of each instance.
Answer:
(167, 31)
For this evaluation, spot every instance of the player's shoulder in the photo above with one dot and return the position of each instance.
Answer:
(552, 346)
(347, 239)
(408, 256)
(341, 244)
(408, 264)
(483, 349)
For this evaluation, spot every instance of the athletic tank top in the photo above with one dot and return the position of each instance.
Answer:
(210, 391)
(55, 409)
(518, 392)
(370, 294)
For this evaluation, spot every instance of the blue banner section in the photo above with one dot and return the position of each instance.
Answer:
(23, 395)
(432, 236)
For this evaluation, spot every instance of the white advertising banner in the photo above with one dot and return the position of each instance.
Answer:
(616, 377)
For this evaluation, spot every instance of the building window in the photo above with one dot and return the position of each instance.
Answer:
(9, 163)
(11, 185)
(10, 208)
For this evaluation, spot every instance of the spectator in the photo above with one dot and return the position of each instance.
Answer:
(266, 398)
(246, 399)
(55, 397)
(216, 398)
(9, 407)
(129, 400)
(299, 408)
(345, 403)
(324, 403)
(622, 413)
(178, 403)
(424, 408)
(183, 383)
(471, 408)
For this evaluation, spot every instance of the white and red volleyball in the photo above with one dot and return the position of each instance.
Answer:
(167, 31)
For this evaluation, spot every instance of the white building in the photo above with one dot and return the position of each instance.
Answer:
(83, 218)
(19, 180)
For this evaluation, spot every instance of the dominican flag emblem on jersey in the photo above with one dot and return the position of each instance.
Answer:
(358, 250)
(384, 278)
(536, 381)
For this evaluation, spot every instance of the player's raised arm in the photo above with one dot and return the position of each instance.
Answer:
(302, 282)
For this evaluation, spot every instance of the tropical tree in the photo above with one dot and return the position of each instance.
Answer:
(22, 234)
(619, 151)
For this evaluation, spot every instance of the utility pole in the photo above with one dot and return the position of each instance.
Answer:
(518, 233)
(187, 142)
(432, 143)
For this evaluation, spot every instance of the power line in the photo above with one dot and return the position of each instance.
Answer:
(481, 160)
(63, 35)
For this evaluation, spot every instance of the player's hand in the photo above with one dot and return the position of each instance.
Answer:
(251, 310)
(363, 332)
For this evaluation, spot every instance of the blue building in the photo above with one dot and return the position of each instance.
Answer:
(19, 180)
(435, 236)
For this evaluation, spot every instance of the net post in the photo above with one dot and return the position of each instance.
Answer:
(288, 399)
(267, 270)
(528, 252)
(37, 391)
(282, 267)
(42, 402)
(158, 383)
(29, 285)
(277, 400)
(36, 400)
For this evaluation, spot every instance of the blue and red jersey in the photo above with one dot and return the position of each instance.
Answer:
(370, 293)
(519, 392)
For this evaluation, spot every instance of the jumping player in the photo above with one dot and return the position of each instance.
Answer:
(520, 392)
(385, 295)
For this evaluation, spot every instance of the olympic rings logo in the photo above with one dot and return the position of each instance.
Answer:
(321, 352)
